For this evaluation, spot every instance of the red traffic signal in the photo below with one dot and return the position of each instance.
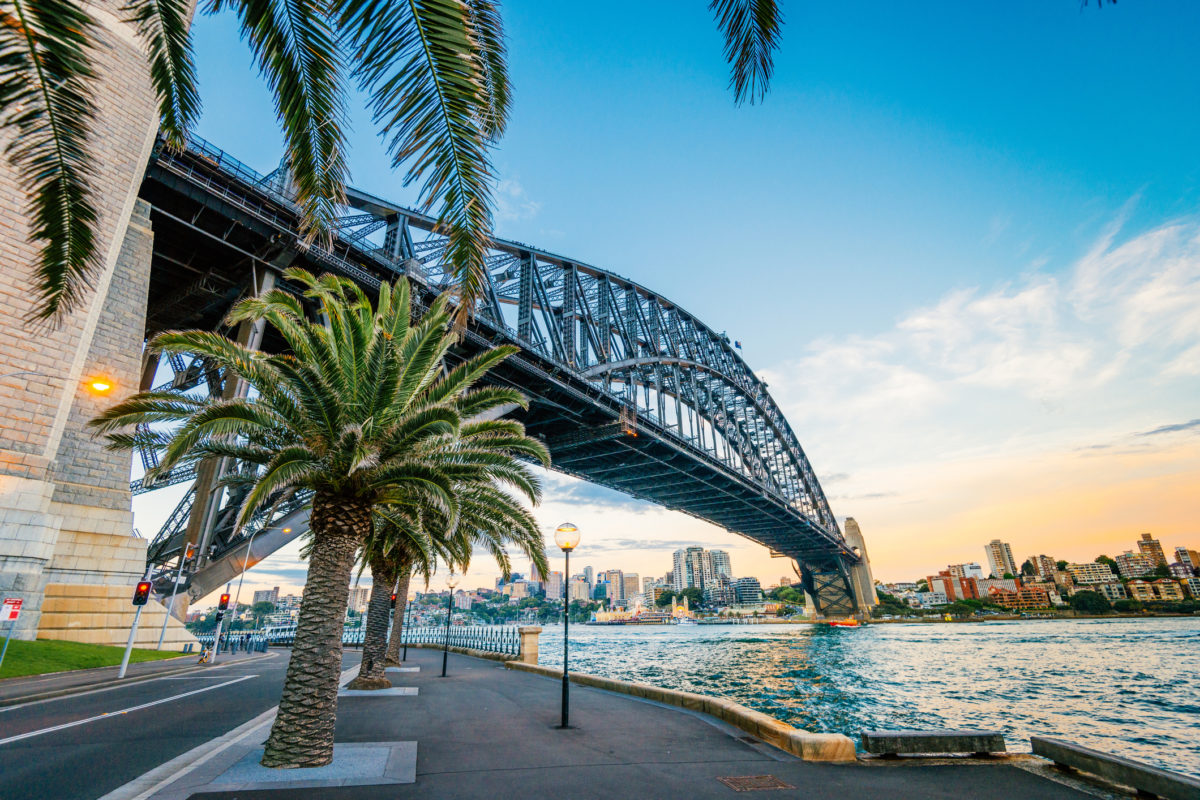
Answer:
(224, 603)
(393, 601)
(142, 593)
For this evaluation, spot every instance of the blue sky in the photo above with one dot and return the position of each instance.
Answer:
(953, 235)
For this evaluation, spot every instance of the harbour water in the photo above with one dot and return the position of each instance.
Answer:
(1130, 687)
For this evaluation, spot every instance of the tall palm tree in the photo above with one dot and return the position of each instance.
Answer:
(434, 73)
(355, 412)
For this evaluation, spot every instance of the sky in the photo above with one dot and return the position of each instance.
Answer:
(960, 241)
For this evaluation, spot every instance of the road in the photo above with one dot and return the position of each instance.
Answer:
(83, 746)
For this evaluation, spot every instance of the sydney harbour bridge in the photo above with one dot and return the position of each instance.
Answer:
(627, 389)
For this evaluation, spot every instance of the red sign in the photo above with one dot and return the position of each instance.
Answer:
(12, 608)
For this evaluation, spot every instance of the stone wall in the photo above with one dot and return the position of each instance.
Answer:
(65, 511)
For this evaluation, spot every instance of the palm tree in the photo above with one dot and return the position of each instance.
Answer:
(434, 73)
(355, 412)
(487, 517)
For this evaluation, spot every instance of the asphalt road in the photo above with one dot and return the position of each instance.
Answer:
(82, 747)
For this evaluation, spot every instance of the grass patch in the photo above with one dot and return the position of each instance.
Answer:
(47, 655)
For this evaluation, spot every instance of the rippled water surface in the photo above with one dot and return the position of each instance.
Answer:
(1130, 687)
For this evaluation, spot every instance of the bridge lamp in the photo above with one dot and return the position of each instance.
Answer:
(100, 386)
(451, 582)
(566, 536)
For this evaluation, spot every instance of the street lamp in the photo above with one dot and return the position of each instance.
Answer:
(566, 536)
(451, 581)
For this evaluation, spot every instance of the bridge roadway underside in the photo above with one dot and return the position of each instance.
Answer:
(207, 249)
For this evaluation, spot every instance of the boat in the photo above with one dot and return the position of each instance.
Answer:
(843, 623)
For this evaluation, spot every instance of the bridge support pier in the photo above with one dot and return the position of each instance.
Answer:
(67, 547)
(862, 581)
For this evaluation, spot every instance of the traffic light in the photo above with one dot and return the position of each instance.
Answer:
(142, 593)
(393, 602)
(224, 603)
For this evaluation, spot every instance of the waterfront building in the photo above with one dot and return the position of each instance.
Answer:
(1090, 572)
(926, 599)
(1141, 590)
(1000, 558)
(267, 596)
(1168, 590)
(1193, 587)
(1065, 579)
(554, 585)
(1178, 569)
(579, 590)
(899, 587)
(1024, 599)
(1044, 566)
(747, 590)
(720, 563)
(968, 570)
(517, 590)
(1152, 549)
(630, 587)
(1189, 557)
(987, 584)
(1113, 591)
(1134, 565)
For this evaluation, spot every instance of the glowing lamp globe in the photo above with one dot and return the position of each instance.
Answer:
(566, 536)
(452, 580)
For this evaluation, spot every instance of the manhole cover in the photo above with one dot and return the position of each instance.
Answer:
(754, 783)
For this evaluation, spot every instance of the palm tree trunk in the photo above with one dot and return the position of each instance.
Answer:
(393, 648)
(371, 674)
(302, 735)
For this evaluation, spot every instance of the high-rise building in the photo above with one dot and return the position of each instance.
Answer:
(747, 590)
(1000, 558)
(968, 570)
(579, 589)
(1091, 572)
(693, 567)
(615, 580)
(589, 575)
(720, 563)
(1189, 557)
(360, 597)
(647, 582)
(1152, 549)
(554, 586)
(1134, 565)
(1043, 566)
(267, 596)
(630, 586)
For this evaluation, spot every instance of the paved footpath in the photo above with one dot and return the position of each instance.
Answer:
(488, 732)
(81, 746)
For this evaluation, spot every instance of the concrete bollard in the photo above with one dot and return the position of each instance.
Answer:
(529, 643)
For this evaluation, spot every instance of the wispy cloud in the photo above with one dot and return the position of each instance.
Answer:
(512, 204)
(1176, 428)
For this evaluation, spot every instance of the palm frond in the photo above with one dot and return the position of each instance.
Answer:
(751, 29)
(296, 46)
(419, 62)
(163, 27)
(45, 71)
(488, 34)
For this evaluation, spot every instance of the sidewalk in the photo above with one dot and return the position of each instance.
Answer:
(488, 732)
(57, 684)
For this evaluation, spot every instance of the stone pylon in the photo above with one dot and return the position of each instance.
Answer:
(861, 579)
(67, 545)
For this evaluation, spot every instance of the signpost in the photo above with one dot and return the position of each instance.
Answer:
(12, 610)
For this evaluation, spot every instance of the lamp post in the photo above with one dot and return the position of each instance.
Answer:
(451, 582)
(566, 536)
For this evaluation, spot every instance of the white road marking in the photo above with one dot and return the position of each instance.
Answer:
(131, 709)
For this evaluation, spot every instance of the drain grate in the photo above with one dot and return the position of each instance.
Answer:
(754, 783)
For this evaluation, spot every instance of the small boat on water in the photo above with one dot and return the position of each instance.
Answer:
(844, 623)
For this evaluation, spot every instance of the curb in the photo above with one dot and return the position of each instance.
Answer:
(828, 747)
(94, 687)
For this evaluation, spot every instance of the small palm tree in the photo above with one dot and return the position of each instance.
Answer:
(434, 73)
(355, 412)
(487, 517)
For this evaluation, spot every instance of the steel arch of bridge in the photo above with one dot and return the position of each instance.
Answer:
(667, 375)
